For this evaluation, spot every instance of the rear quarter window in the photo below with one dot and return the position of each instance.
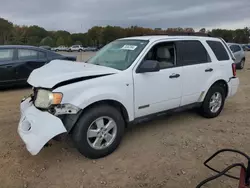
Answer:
(41, 55)
(52, 54)
(219, 50)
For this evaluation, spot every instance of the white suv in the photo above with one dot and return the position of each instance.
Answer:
(60, 48)
(78, 48)
(128, 80)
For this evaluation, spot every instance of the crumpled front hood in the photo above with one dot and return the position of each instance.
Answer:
(58, 71)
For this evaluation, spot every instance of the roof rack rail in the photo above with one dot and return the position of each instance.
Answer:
(183, 34)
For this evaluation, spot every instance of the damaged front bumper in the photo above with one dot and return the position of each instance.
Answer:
(233, 84)
(37, 127)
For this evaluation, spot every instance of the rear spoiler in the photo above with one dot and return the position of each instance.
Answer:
(230, 52)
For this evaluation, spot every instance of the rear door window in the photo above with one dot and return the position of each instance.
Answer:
(27, 54)
(219, 50)
(6, 54)
(191, 52)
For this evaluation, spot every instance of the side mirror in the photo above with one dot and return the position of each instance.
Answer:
(149, 66)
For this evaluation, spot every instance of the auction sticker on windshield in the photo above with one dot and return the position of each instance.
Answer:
(129, 47)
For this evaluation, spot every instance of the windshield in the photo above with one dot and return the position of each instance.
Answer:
(119, 54)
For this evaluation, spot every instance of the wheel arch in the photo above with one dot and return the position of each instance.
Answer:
(220, 82)
(70, 121)
(114, 103)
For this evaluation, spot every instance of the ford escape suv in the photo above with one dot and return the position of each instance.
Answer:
(126, 81)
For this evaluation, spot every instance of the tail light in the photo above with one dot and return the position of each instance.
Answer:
(234, 69)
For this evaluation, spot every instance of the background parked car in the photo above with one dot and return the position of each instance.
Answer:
(45, 47)
(246, 47)
(60, 48)
(17, 62)
(91, 49)
(78, 48)
(239, 54)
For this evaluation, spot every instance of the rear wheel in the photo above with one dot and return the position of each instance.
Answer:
(242, 64)
(213, 102)
(99, 131)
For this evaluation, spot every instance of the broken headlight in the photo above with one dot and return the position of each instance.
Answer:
(45, 98)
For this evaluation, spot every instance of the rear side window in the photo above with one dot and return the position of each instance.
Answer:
(191, 52)
(52, 54)
(41, 55)
(232, 48)
(219, 50)
(237, 48)
(6, 54)
(26, 54)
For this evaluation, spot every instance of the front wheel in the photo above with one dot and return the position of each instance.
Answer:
(99, 131)
(213, 102)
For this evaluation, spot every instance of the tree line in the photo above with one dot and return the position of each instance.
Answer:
(37, 36)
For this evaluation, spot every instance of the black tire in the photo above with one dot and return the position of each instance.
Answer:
(242, 64)
(205, 111)
(79, 133)
(79, 50)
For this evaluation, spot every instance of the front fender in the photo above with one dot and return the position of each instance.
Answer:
(93, 95)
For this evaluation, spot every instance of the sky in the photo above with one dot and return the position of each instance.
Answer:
(81, 15)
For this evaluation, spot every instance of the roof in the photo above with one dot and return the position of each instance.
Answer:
(24, 47)
(158, 37)
(232, 44)
(17, 46)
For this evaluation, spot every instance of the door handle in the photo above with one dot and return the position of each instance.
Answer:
(209, 70)
(8, 66)
(174, 76)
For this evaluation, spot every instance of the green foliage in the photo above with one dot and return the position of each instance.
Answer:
(5, 30)
(60, 41)
(19, 35)
(33, 40)
(47, 41)
(37, 31)
(78, 42)
(35, 35)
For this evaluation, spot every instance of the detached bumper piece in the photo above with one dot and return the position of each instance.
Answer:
(37, 127)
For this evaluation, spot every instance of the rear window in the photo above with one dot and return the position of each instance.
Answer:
(219, 50)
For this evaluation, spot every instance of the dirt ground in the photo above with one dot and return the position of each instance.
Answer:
(168, 152)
